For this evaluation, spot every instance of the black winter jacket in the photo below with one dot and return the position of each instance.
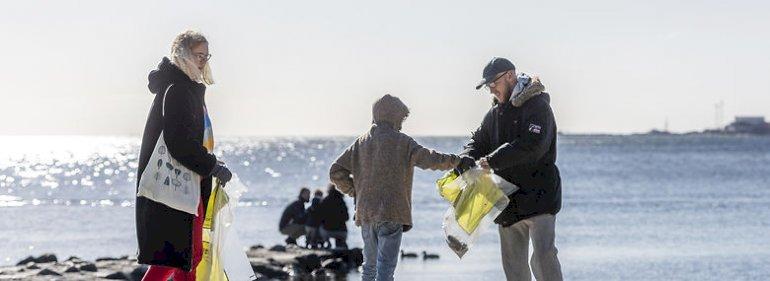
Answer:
(314, 213)
(295, 213)
(520, 146)
(334, 212)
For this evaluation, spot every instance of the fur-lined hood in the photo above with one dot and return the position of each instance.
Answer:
(389, 110)
(531, 88)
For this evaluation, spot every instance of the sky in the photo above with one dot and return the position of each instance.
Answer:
(291, 68)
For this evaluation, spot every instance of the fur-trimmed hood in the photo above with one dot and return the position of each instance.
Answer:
(526, 88)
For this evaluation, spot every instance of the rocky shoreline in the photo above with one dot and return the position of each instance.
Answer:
(276, 263)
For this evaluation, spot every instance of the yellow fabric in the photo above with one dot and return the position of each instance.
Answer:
(472, 196)
(210, 267)
(448, 187)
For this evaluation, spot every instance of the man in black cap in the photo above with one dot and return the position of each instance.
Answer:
(517, 140)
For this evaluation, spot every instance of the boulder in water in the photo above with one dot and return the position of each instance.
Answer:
(25, 261)
(278, 248)
(139, 272)
(88, 267)
(308, 262)
(270, 271)
(118, 275)
(72, 269)
(337, 265)
(48, 272)
(45, 258)
(74, 259)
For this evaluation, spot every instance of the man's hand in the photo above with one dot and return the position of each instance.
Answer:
(466, 163)
(484, 164)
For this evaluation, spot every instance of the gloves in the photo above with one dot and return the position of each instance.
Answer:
(466, 163)
(505, 219)
(222, 173)
(503, 222)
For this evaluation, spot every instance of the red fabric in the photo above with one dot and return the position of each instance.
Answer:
(163, 273)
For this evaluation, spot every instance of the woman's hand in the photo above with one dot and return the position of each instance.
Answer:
(222, 173)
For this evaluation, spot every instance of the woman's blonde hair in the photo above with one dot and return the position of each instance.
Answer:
(182, 56)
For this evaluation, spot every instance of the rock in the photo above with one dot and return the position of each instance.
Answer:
(309, 262)
(353, 256)
(356, 256)
(32, 265)
(322, 274)
(25, 261)
(117, 276)
(138, 272)
(270, 271)
(74, 259)
(88, 267)
(121, 258)
(72, 269)
(280, 262)
(278, 248)
(336, 265)
(46, 258)
(47, 271)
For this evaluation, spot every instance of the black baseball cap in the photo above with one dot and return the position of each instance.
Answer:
(495, 66)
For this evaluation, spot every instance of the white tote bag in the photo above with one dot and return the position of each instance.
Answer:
(167, 181)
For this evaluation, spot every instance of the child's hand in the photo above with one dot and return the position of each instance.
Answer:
(465, 164)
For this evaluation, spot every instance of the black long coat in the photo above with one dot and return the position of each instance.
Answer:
(165, 234)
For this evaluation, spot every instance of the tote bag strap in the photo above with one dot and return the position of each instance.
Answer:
(163, 105)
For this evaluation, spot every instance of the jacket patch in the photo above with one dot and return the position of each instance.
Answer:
(534, 128)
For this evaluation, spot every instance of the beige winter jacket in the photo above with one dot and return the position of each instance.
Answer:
(377, 168)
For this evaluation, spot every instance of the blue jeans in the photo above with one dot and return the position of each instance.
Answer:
(382, 242)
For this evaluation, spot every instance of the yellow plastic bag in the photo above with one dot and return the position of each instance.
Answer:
(476, 201)
(209, 267)
(477, 197)
(448, 188)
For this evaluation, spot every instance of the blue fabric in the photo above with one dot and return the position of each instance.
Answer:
(382, 243)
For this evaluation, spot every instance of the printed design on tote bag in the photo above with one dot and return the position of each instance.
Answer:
(174, 178)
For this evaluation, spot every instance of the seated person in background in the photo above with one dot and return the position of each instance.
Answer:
(293, 218)
(312, 236)
(334, 215)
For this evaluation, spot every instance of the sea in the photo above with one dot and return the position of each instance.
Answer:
(635, 207)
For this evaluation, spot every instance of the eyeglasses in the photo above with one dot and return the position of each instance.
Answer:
(492, 84)
(204, 57)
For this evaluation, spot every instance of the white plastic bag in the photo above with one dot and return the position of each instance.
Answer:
(477, 196)
(166, 181)
(224, 258)
(226, 243)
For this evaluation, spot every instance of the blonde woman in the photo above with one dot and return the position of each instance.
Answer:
(169, 239)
